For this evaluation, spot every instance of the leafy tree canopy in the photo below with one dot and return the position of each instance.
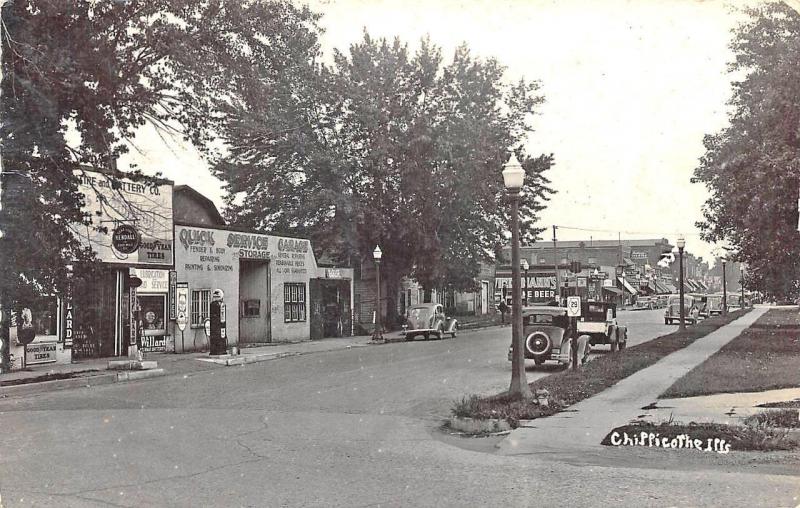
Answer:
(752, 168)
(106, 69)
(391, 148)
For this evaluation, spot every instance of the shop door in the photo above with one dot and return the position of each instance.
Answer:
(254, 302)
(330, 308)
(316, 317)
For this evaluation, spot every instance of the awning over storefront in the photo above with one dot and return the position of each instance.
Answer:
(627, 286)
(670, 288)
(661, 288)
(614, 290)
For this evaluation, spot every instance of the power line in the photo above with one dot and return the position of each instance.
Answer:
(612, 231)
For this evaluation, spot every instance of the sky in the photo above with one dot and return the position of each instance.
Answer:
(631, 88)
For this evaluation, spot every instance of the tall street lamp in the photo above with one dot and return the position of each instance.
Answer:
(377, 334)
(681, 244)
(741, 283)
(724, 288)
(513, 178)
(525, 267)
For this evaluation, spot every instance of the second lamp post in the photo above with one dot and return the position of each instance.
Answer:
(514, 178)
(377, 334)
(681, 244)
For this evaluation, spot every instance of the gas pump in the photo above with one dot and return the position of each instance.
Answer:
(218, 342)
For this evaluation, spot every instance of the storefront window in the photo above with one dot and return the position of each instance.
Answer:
(201, 301)
(294, 302)
(154, 309)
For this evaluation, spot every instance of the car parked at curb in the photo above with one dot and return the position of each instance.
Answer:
(691, 313)
(714, 305)
(428, 319)
(548, 332)
(599, 321)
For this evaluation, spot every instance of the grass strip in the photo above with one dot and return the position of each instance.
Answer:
(766, 356)
(704, 437)
(788, 418)
(571, 386)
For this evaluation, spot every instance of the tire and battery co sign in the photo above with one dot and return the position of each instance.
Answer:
(116, 199)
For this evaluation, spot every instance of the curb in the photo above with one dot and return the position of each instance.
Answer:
(244, 359)
(131, 375)
(79, 382)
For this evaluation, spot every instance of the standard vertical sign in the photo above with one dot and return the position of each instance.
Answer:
(573, 306)
(173, 286)
(182, 305)
(69, 323)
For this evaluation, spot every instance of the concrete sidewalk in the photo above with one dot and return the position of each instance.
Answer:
(583, 426)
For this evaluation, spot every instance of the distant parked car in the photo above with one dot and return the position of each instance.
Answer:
(673, 313)
(548, 333)
(714, 305)
(428, 319)
(599, 321)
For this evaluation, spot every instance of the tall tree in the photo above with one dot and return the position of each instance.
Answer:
(102, 70)
(397, 150)
(752, 168)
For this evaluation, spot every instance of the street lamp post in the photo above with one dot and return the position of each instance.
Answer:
(377, 334)
(741, 283)
(513, 178)
(681, 244)
(724, 288)
(525, 267)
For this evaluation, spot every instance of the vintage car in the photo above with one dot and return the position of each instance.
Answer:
(673, 313)
(428, 319)
(714, 305)
(599, 321)
(547, 332)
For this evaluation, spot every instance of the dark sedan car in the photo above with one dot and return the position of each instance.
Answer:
(428, 319)
(547, 332)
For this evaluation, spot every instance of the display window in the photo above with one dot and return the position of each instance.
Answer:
(153, 314)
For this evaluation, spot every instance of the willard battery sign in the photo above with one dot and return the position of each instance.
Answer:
(131, 221)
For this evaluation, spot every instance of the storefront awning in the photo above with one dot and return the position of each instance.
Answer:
(614, 290)
(627, 286)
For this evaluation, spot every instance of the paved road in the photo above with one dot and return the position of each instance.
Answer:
(344, 428)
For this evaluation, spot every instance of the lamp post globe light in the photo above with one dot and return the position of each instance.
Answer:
(681, 244)
(377, 334)
(513, 179)
(525, 267)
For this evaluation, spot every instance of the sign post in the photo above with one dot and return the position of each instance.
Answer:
(182, 308)
(574, 312)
